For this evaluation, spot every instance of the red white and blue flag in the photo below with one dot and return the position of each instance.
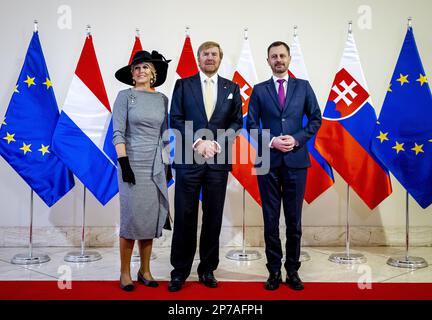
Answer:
(83, 135)
(244, 151)
(347, 129)
(137, 47)
(320, 174)
(186, 67)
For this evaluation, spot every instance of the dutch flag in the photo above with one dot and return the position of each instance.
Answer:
(83, 135)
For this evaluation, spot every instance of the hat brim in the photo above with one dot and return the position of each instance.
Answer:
(125, 75)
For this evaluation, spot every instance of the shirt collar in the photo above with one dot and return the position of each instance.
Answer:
(275, 79)
(203, 77)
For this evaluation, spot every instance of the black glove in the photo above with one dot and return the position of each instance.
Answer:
(169, 175)
(127, 173)
(167, 225)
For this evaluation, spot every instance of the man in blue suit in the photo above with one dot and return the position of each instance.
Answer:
(205, 115)
(276, 111)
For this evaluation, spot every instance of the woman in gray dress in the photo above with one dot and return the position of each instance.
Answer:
(139, 125)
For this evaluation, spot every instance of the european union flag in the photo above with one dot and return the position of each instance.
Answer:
(27, 128)
(404, 131)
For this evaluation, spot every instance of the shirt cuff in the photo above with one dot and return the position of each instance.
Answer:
(271, 142)
(218, 149)
(196, 141)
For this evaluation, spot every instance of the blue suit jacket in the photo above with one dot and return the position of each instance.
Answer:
(188, 105)
(265, 113)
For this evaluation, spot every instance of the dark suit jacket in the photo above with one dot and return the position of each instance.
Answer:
(188, 105)
(265, 113)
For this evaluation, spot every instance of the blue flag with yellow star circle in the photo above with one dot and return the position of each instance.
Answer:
(26, 130)
(403, 134)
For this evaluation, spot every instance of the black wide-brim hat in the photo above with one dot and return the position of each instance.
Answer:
(160, 63)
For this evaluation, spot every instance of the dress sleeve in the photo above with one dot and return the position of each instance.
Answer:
(120, 118)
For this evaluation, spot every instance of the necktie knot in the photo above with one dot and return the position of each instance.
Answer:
(281, 93)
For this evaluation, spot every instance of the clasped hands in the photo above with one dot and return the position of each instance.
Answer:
(284, 143)
(206, 148)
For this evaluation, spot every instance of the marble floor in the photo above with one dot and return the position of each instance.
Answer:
(317, 269)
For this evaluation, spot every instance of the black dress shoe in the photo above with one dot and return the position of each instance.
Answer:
(208, 279)
(273, 281)
(127, 287)
(175, 284)
(144, 281)
(294, 282)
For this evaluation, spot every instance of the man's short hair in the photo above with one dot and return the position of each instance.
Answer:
(277, 44)
(210, 44)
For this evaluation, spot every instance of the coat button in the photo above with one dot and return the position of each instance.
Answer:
(283, 119)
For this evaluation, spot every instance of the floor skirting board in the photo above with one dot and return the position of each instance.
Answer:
(230, 236)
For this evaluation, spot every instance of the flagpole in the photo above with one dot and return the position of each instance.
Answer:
(304, 255)
(30, 258)
(407, 261)
(243, 254)
(82, 255)
(347, 257)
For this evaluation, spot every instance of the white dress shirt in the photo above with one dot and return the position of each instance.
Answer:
(214, 78)
(285, 85)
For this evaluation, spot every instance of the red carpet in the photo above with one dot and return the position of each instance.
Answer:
(109, 290)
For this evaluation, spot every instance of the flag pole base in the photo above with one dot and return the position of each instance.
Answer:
(407, 262)
(25, 259)
(344, 258)
(86, 256)
(304, 256)
(243, 255)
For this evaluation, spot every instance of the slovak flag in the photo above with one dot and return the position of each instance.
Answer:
(348, 124)
(320, 174)
(244, 151)
(83, 135)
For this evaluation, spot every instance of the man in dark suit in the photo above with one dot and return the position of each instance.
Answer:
(205, 115)
(276, 111)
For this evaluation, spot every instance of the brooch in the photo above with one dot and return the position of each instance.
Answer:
(132, 98)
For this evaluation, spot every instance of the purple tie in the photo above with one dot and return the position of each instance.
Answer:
(281, 93)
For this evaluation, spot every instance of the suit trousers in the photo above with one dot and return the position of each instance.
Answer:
(285, 185)
(189, 182)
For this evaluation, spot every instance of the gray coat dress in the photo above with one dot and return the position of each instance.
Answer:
(139, 121)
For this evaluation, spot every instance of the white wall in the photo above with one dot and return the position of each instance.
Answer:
(322, 30)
